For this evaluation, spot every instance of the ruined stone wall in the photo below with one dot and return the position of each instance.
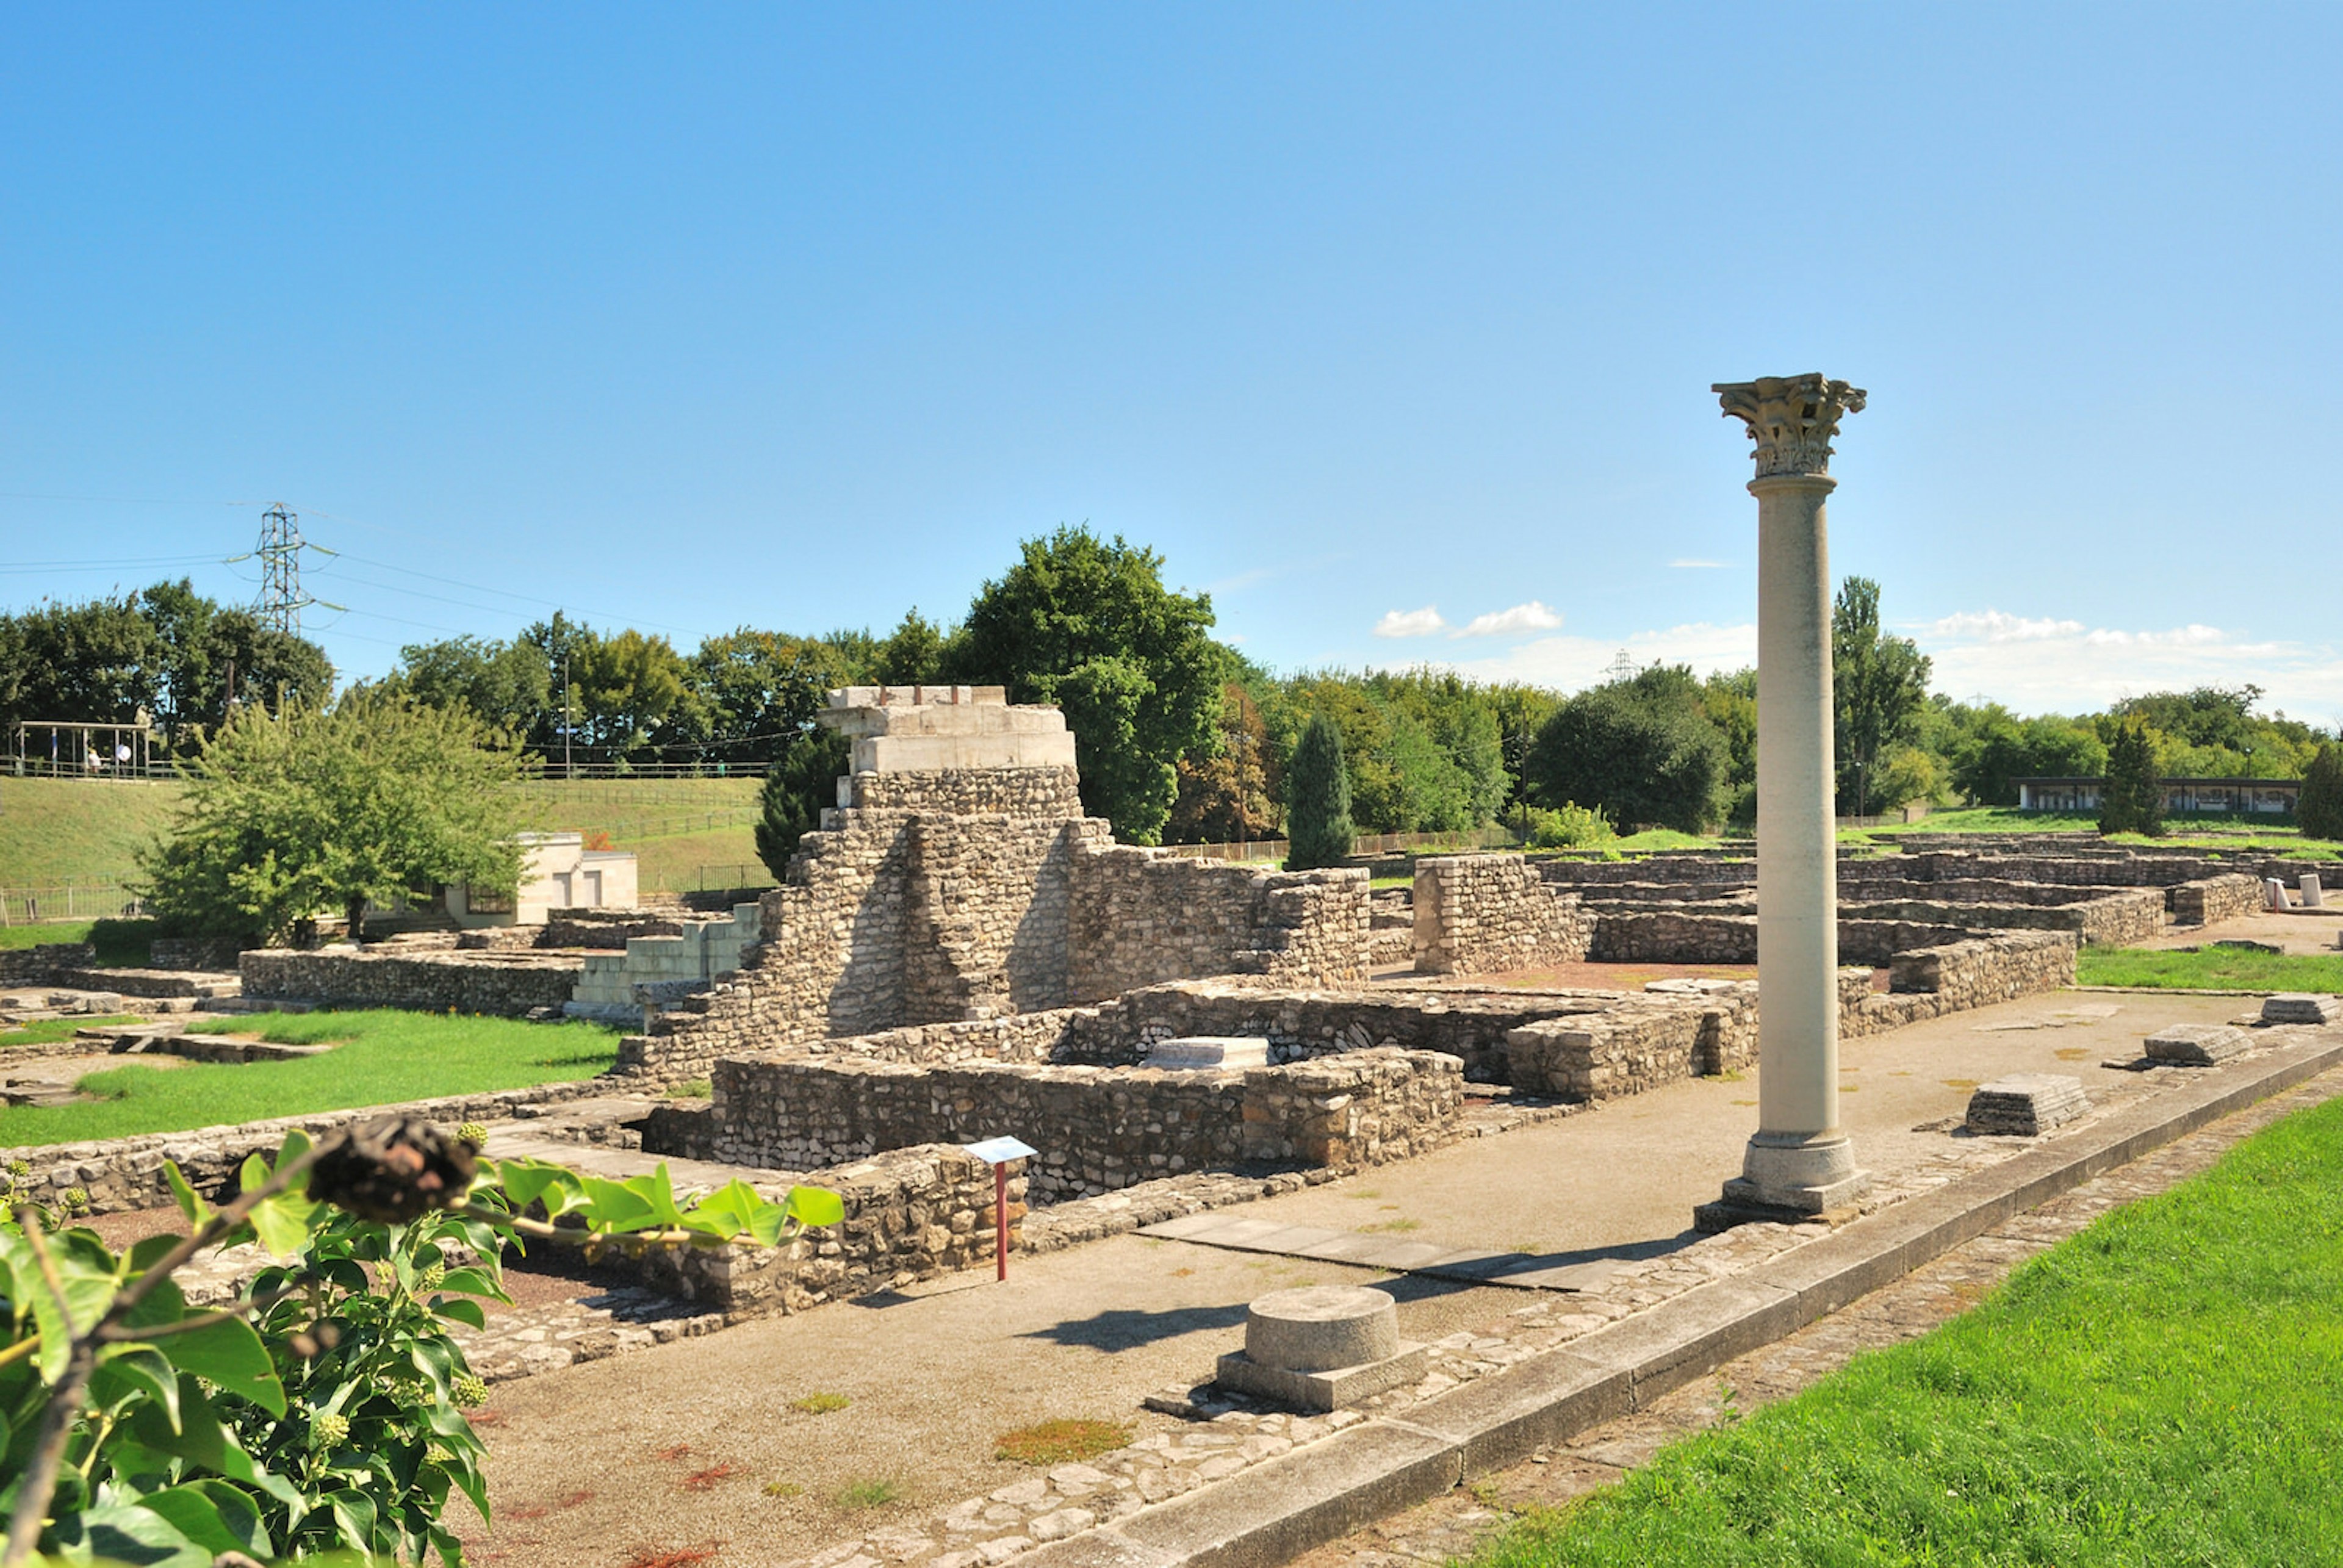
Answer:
(2117, 918)
(193, 952)
(1931, 982)
(2212, 899)
(910, 1214)
(1635, 1047)
(1097, 1131)
(505, 984)
(1050, 793)
(39, 965)
(991, 900)
(1485, 914)
(1141, 917)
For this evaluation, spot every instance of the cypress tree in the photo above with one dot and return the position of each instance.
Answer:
(1318, 809)
(2132, 801)
(801, 780)
(2320, 814)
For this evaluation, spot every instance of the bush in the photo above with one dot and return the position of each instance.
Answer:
(2320, 814)
(1642, 749)
(1318, 816)
(1569, 826)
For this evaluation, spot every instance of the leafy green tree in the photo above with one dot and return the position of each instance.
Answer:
(2320, 813)
(802, 781)
(752, 694)
(1318, 816)
(1229, 793)
(912, 654)
(2132, 799)
(1879, 683)
(290, 815)
(96, 662)
(504, 683)
(204, 643)
(1642, 751)
(1089, 625)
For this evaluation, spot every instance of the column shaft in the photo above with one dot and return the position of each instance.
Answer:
(1797, 877)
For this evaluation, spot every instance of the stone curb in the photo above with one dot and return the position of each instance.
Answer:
(1290, 1505)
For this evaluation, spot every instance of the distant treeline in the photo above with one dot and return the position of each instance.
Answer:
(1183, 738)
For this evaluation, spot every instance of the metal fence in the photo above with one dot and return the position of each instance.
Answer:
(66, 901)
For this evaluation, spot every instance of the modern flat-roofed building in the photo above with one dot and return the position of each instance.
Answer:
(2182, 797)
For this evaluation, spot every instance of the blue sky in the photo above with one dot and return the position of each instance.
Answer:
(1366, 317)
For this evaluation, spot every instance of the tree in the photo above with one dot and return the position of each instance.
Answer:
(2132, 799)
(1318, 815)
(312, 809)
(912, 654)
(1880, 684)
(802, 781)
(751, 695)
(1089, 625)
(1229, 793)
(2320, 814)
(1642, 751)
(506, 684)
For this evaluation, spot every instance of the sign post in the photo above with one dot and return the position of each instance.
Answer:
(998, 1152)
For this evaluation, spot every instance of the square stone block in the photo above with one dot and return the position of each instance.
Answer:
(2025, 1104)
(1323, 1391)
(2196, 1044)
(2301, 1007)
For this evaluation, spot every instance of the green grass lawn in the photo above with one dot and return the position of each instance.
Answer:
(120, 944)
(55, 830)
(380, 1057)
(2164, 1388)
(2211, 969)
(49, 1031)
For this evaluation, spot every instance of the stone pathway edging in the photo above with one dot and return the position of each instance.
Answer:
(1291, 1504)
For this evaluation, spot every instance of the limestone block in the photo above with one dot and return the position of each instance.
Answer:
(2313, 895)
(2301, 1007)
(2196, 1044)
(2025, 1104)
(1210, 1050)
(1323, 1347)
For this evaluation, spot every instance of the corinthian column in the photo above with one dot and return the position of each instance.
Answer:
(1799, 1164)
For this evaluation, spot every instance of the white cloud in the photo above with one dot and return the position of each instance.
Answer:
(1570, 663)
(1993, 626)
(2063, 666)
(1531, 616)
(1687, 564)
(1409, 623)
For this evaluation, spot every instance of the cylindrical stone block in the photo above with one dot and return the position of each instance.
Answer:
(1321, 1328)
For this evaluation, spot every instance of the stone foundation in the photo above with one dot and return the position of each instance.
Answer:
(1488, 913)
(508, 985)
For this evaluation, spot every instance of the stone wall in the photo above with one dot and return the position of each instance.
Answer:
(1141, 917)
(2117, 918)
(1098, 1130)
(39, 965)
(686, 955)
(506, 984)
(2209, 900)
(910, 1214)
(193, 952)
(1637, 1046)
(1050, 794)
(1930, 982)
(1485, 914)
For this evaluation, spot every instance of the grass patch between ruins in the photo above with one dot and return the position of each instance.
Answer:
(49, 1031)
(2160, 1389)
(2210, 969)
(1066, 1442)
(381, 1056)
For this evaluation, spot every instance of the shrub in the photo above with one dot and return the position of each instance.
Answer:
(801, 782)
(2320, 814)
(1569, 826)
(1318, 813)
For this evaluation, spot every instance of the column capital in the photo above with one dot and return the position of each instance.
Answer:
(1792, 418)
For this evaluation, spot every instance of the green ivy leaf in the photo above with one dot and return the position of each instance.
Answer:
(460, 1310)
(191, 1203)
(354, 1517)
(129, 1372)
(733, 1209)
(231, 1355)
(617, 1205)
(85, 1271)
(126, 1534)
(473, 1281)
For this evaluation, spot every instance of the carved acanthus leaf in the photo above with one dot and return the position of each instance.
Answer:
(1792, 418)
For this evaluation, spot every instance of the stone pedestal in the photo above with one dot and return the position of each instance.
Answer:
(2301, 1007)
(2314, 897)
(1323, 1347)
(2025, 1104)
(2195, 1044)
(1206, 1051)
(1799, 1165)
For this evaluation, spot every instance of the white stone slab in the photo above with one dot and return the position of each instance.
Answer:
(1209, 1051)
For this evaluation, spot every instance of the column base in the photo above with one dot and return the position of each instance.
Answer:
(1788, 1180)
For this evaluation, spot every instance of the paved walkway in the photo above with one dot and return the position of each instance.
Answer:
(1464, 1520)
(704, 1441)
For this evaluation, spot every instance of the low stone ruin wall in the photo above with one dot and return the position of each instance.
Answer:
(1638, 1045)
(1098, 1130)
(121, 1173)
(1141, 917)
(910, 1214)
(150, 983)
(2212, 899)
(193, 952)
(1931, 982)
(2117, 918)
(1485, 914)
(509, 985)
(682, 957)
(39, 965)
